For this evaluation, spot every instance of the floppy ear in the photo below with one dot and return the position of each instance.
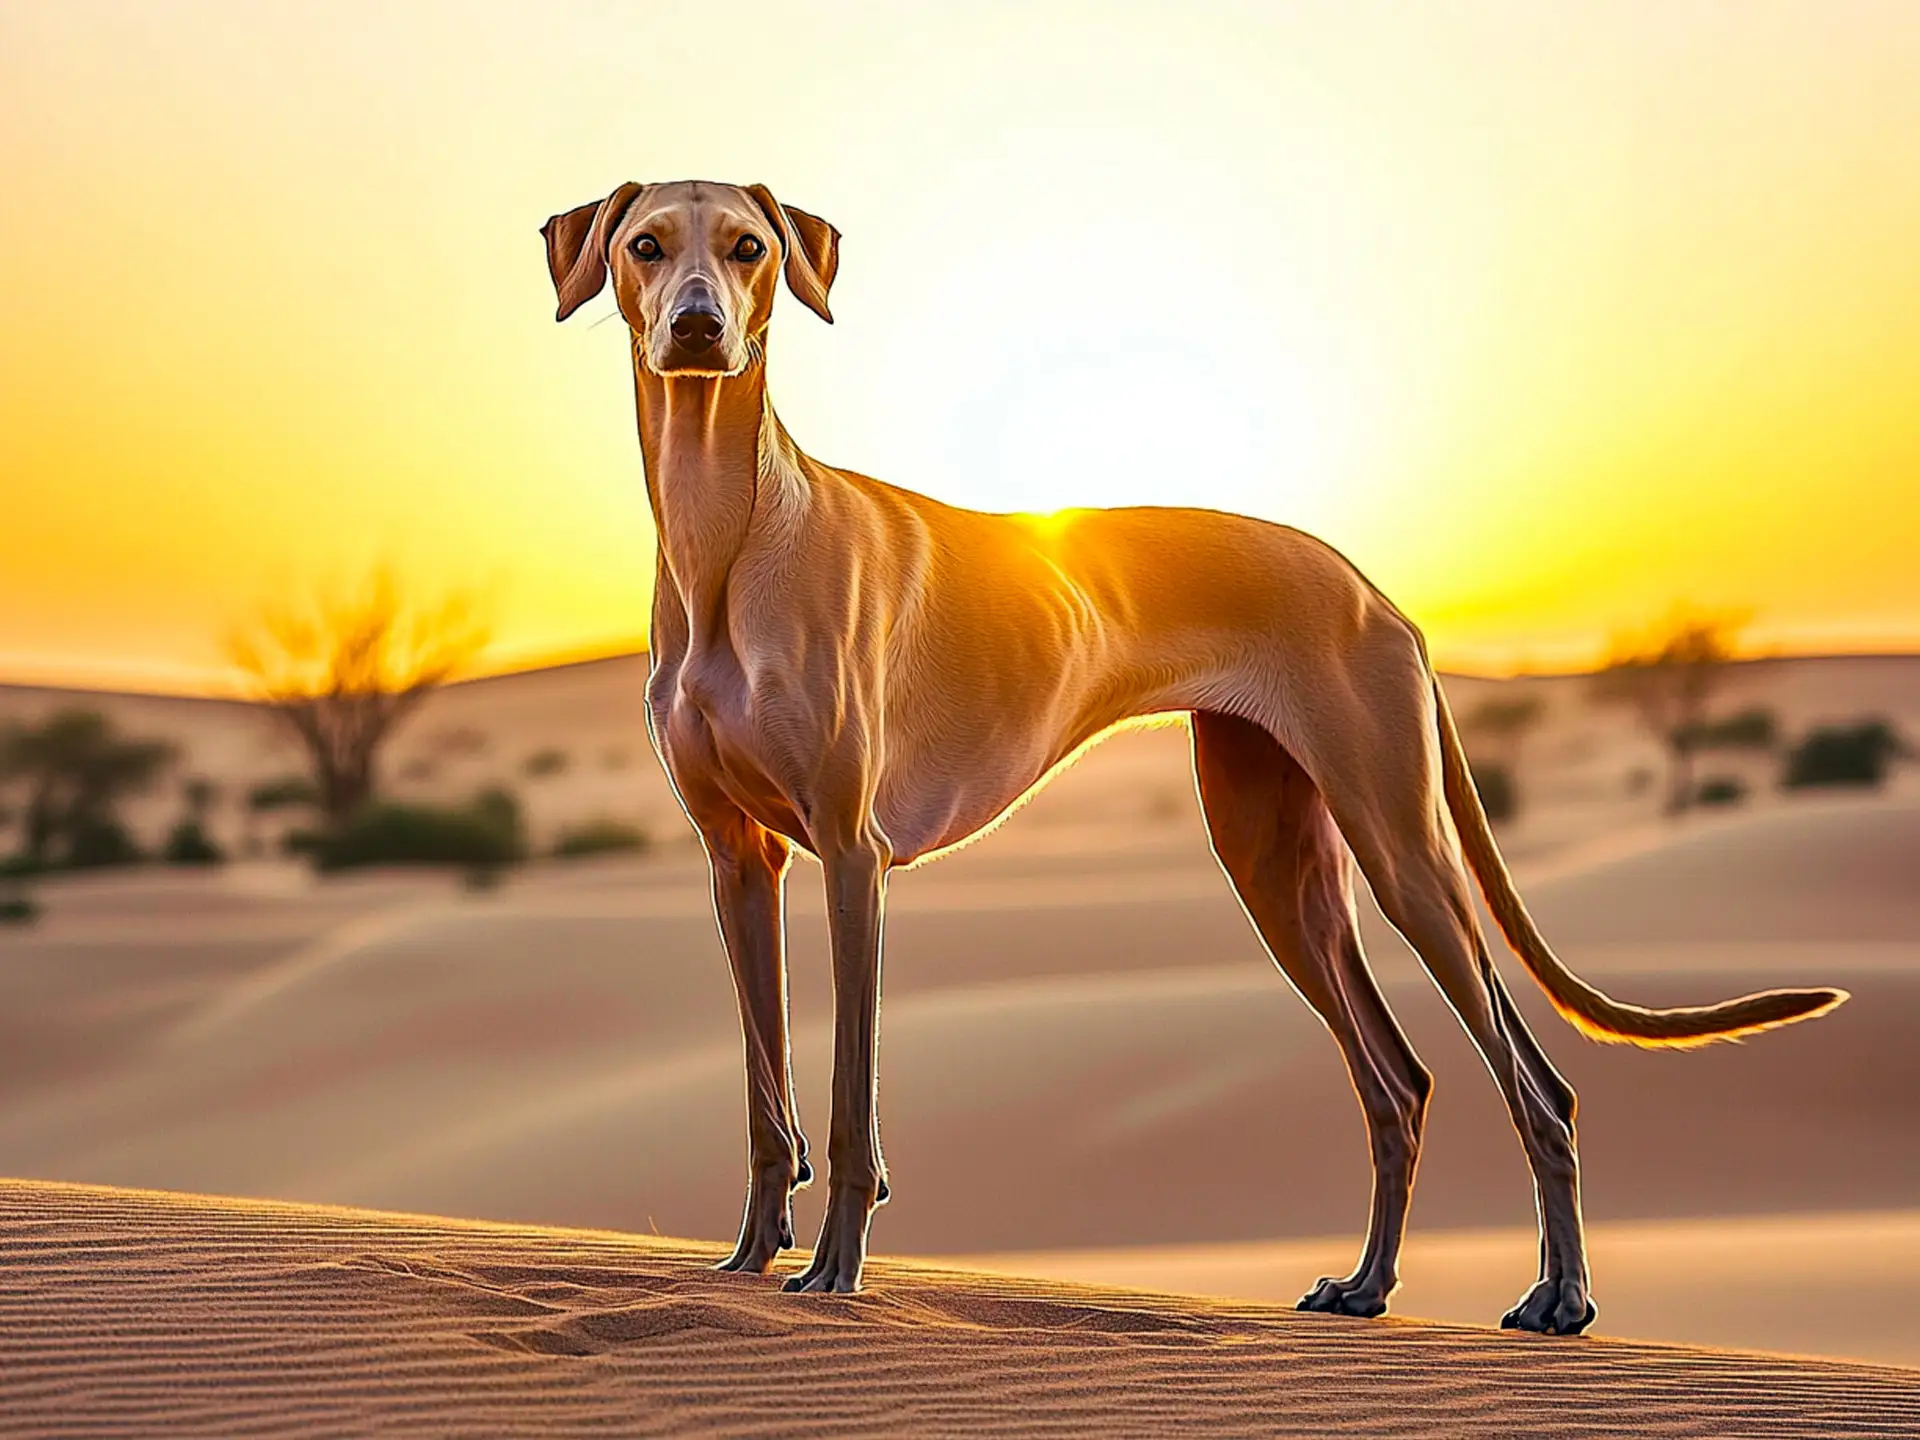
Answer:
(577, 247)
(812, 246)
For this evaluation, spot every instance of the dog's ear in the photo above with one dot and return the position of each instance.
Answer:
(577, 247)
(812, 246)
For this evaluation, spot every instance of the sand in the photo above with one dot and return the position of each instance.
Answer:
(1083, 1050)
(1830, 1284)
(129, 1312)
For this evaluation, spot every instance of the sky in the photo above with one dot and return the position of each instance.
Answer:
(1549, 315)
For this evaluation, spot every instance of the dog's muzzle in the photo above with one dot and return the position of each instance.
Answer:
(696, 323)
(697, 331)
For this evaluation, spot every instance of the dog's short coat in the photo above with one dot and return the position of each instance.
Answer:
(875, 676)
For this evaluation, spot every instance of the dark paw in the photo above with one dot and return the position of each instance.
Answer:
(803, 1177)
(885, 1193)
(754, 1254)
(830, 1281)
(1552, 1307)
(1344, 1297)
(765, 1230)
(841, 1252)
(749, 1260)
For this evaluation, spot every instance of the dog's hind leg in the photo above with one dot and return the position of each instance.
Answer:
(1377, 760)
(1277, 843)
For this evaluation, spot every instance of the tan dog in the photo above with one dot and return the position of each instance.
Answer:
(875, 676)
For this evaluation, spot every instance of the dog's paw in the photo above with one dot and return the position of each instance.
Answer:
(1553, 1307)
(841, 1252)
(766, 1228)
(1344, 1297)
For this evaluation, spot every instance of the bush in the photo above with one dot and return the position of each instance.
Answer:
(498, 807)
(483, 834)
(287, 793)
(96, 842)
(188, 844)
(21, 865)
(601, 837)
(1499, 795)
(1720, 790)
(1751, 729)
(543, 763)
(302, 841)
(18, 910)
(1858, 754)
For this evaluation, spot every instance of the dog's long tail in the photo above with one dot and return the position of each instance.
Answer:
(1593, 1012)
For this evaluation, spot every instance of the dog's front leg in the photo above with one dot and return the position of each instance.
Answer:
(749, 869)
(856, 880)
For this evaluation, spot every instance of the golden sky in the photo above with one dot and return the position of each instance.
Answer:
(1549, 315)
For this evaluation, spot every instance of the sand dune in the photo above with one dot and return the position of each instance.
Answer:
(127, 1312)
(1081, 1051)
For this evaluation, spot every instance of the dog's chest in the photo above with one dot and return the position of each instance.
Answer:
(723, 736)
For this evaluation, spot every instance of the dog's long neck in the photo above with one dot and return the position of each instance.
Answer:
(718, 464)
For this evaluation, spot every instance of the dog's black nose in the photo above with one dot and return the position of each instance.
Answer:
(696, 328)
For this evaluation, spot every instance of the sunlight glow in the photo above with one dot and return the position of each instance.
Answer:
(1547, 316)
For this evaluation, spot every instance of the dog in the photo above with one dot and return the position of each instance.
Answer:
(874, 676)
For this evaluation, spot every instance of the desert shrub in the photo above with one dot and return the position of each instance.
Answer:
(1857, 754)
(1499, 795)
(499, 807)
(302, 840)
(1721, 790)
(99, 841)
(486, 832)
(76, 768)
(189, 844)
(18, 910)
(600, 837)
(22, 864)
(1751, 729)
(543, 763)
(288, 792)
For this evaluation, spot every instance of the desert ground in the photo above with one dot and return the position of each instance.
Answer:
(131, 1313)
(1090, 1076)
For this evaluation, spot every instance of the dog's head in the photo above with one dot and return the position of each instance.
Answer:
(694, 268)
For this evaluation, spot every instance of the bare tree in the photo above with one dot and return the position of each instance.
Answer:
(1668, 675)
(341, 672)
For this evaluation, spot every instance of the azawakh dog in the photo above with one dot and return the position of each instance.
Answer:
(874, 676)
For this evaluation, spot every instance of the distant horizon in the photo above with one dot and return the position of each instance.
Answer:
(537, 664)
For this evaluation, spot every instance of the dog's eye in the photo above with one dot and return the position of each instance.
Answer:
(645, 247)
(748, 248)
